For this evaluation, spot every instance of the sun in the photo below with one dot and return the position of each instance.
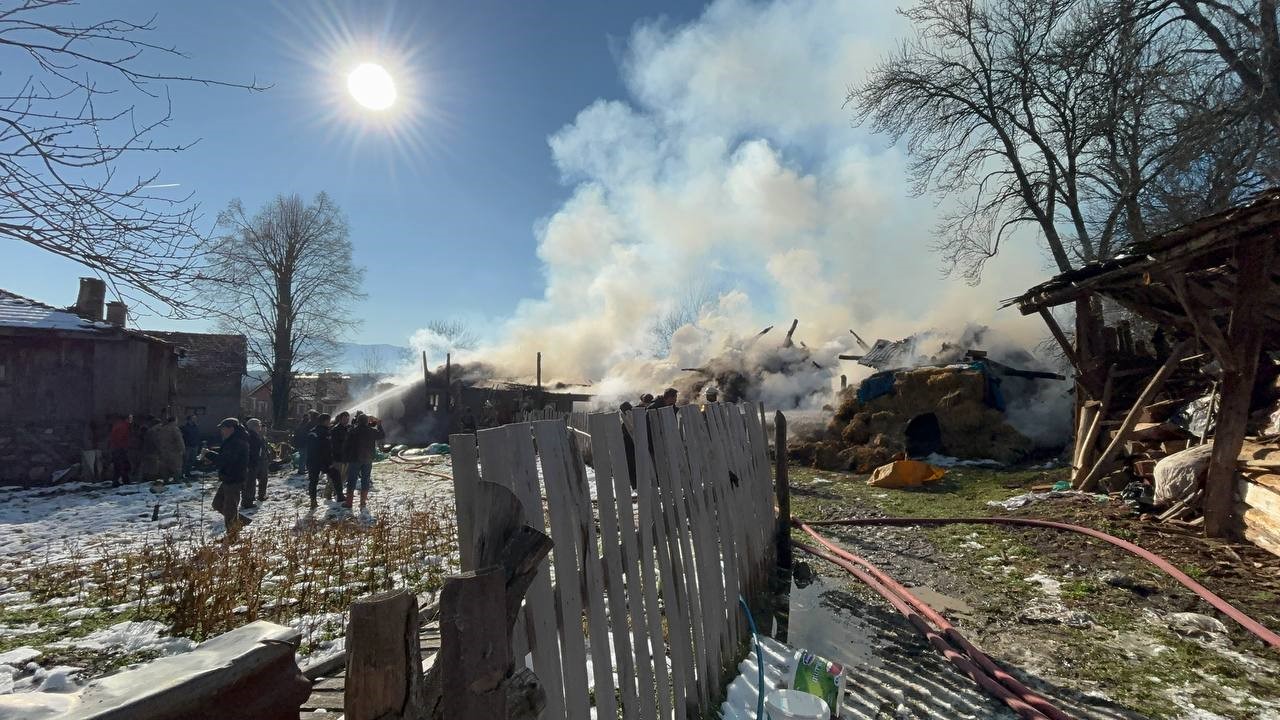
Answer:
(371, 86)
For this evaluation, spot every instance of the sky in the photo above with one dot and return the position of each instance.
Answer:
(557, 174)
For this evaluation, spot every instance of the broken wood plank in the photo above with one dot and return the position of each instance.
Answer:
(1108, 456)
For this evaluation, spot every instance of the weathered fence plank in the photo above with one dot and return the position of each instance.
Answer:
(597, 614)
(611, 542)
(466, 475)
(540, 605)
(656, 567)
(553, 449)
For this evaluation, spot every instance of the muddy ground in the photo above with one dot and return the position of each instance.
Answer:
(1105, 634)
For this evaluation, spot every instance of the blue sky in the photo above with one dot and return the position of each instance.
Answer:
(443, 224)
(561, 173)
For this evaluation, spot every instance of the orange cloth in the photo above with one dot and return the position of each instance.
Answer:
(905, 473)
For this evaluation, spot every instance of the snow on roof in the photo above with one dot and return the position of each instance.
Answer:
(20, 312)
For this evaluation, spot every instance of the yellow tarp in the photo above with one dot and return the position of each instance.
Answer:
(905, 473)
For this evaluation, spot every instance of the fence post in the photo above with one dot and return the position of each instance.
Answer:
(475, 647)
(782, 486)
(384, 661)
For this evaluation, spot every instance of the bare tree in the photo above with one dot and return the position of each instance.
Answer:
(1246, 36)
(285, 279)
(686, 311)
(74, 105)
(456, 334)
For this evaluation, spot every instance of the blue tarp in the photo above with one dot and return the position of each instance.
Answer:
(882, 383)
(873, 387)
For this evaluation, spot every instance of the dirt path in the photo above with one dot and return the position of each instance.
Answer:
(1102, 633)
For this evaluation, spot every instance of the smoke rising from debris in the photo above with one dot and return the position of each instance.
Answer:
(732, 164)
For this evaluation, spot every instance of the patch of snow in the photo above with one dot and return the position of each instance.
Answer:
(946, 461)
(19, 656)
(12, 598)
(131, 637)
(60, 680)
(6, 679)
(1047, 584)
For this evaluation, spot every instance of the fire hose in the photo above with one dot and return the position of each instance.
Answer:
(1226, 608)
(941, 634)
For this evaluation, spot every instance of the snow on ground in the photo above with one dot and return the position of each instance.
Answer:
(82, 523)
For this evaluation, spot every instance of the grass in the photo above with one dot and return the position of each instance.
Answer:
(199, 587)
(1135, 660)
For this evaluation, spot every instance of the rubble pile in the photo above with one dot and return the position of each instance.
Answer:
(951, 410)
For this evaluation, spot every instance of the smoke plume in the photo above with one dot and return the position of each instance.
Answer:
(731, 163)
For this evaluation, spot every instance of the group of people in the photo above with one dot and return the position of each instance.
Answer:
(151, 447)
(340, 448)
(668, 398)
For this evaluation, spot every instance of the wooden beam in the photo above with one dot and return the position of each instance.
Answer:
(1126, 426)
(1061, 337)
(1206, 329)
(1245, 335)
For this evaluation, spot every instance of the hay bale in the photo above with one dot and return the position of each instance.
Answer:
(801, 452)
(826, 456)
(863, 459)
(857, 432)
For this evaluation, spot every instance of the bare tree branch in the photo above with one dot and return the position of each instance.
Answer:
(69, 113)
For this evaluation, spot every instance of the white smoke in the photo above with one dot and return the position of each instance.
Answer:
(732, 164)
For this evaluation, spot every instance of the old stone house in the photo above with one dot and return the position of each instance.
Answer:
(210, 370)
(63, 372)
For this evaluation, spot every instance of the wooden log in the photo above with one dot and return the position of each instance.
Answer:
(475, 653)
(384, 661)
(782, 485)
(1245, 333)
(1101, 467)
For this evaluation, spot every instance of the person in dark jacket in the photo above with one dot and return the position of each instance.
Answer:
(338, 438)
(362, 443)
(257, 452)
(118, 443)
(232, 460)
(320, 459)
(300, 435)
(261, 471)
(191, 440)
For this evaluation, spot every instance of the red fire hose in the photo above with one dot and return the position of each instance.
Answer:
(948, 630)
(1226, 608)
(965, 664)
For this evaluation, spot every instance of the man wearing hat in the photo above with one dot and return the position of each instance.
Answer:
(232, 459)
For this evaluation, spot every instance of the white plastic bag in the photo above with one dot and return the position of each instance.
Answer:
(1178, 475)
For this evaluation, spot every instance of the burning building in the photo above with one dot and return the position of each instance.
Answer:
(458, 397)
(929, 395)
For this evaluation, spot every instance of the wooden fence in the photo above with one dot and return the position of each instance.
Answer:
(636, 609)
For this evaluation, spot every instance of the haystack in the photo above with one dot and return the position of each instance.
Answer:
(867, 434)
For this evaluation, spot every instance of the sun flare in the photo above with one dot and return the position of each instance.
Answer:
(372, 86)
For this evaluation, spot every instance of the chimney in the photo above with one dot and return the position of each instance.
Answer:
(93, 292)
(117, 312)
